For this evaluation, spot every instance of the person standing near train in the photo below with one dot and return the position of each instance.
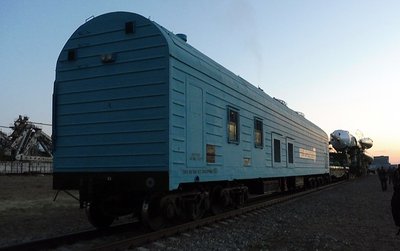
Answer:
(383, 178)
(396, 178)
(390, 173)
(395, 202)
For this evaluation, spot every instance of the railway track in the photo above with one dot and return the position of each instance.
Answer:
(140, 238)
(254, 205)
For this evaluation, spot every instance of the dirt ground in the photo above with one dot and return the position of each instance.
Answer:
(28, 212)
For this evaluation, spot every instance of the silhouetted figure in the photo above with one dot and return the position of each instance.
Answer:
(383, 178)
(396, 198)
(396, 178)
(390, 173)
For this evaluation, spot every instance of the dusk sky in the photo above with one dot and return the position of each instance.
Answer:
(338, 62)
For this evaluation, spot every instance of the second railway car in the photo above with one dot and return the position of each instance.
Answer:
(144, 123)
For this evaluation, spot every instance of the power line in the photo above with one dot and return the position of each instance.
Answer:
(37, 123)
(29, 122)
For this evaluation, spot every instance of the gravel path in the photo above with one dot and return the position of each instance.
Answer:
(353, 216)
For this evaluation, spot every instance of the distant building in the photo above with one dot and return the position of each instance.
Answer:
(380, 161)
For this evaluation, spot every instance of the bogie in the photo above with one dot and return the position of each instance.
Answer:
(160, 211)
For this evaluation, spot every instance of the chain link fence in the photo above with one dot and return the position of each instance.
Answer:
(24, 167)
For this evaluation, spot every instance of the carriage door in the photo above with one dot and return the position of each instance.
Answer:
(194, 122)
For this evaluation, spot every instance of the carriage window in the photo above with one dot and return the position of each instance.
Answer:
(71, 55)
(233, 126)
(258, 133)
(277, 150)
(210, 153)
(290, 153)
(129, 27)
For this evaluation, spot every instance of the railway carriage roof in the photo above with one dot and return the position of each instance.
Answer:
(184, 52)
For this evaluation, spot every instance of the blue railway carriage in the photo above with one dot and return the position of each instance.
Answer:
(144, 123)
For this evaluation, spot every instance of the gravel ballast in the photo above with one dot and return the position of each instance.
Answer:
(351, 216)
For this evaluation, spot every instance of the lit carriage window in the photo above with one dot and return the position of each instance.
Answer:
(290, 153)
(277, 150)
(210, 153)
(258, 133)
(233, 126)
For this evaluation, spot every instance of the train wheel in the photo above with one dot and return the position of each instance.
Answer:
(152, 215)
(220, 199)
(169, 210)
(197, 207)
(240, 198)
(97, 217)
